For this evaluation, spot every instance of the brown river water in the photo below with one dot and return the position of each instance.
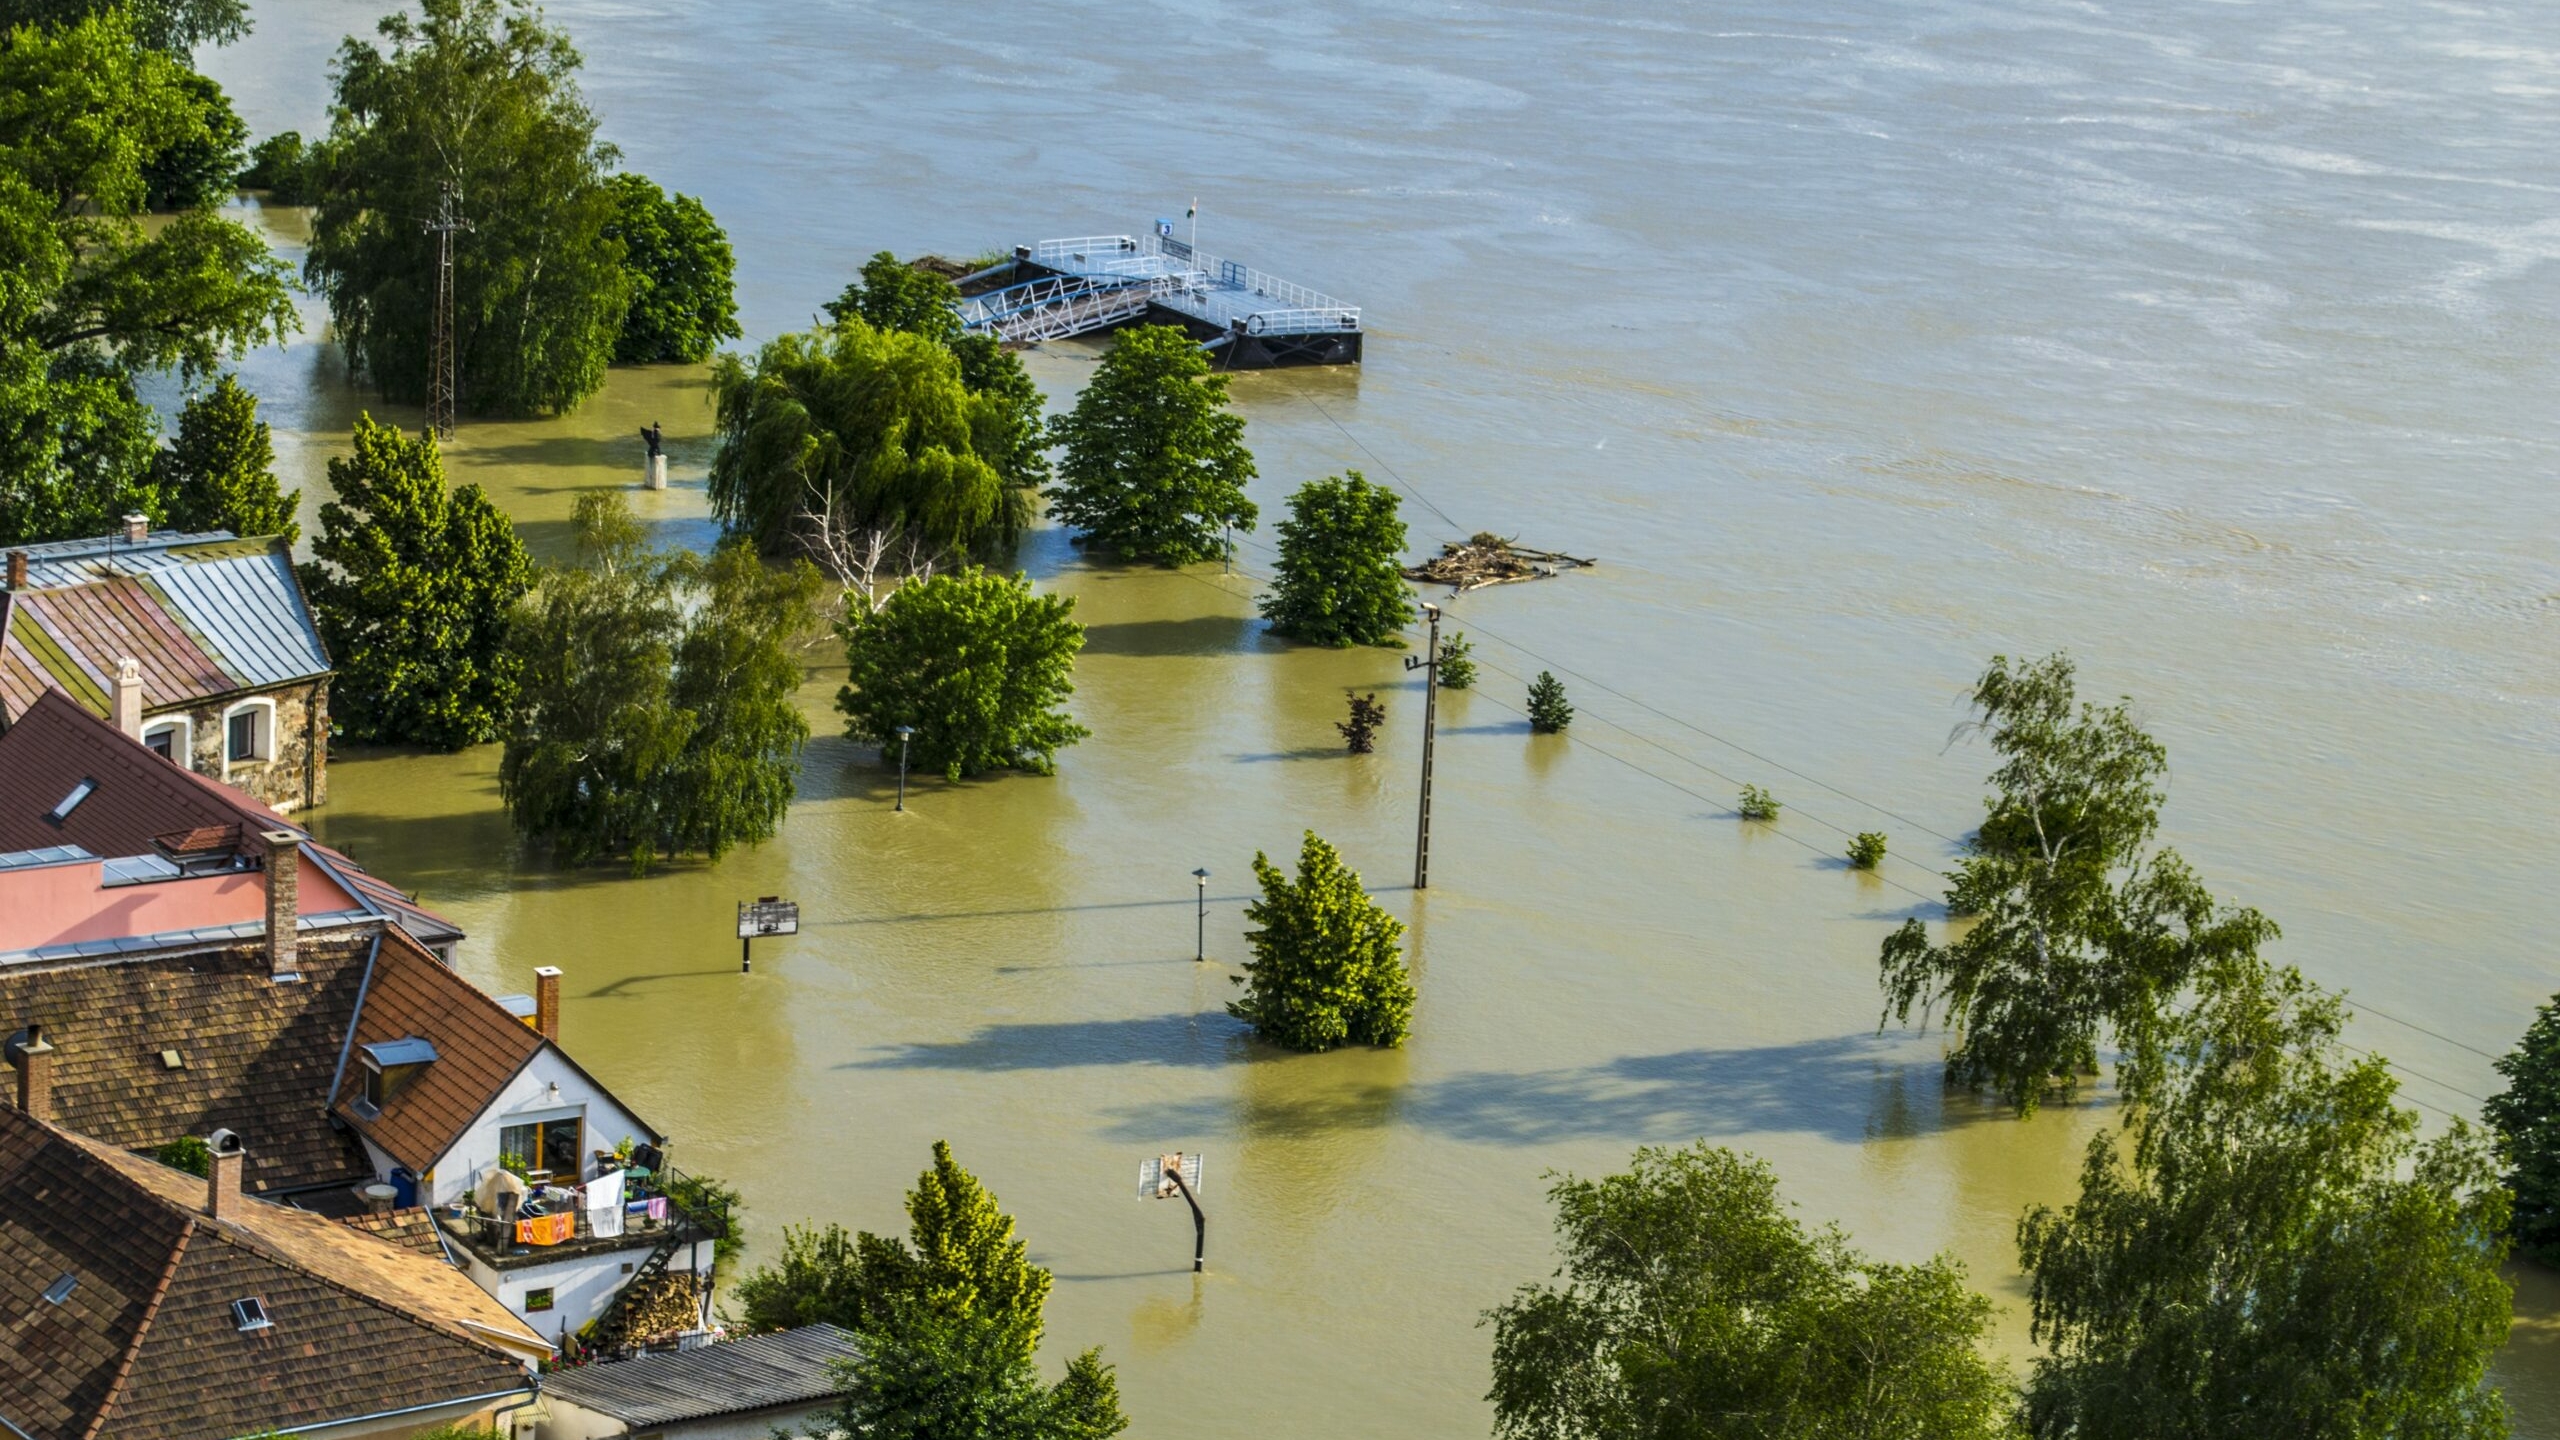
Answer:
(1861, 341)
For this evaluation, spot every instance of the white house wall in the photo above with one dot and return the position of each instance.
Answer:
(580, 1287)
(568, 1421)
(461, 1169)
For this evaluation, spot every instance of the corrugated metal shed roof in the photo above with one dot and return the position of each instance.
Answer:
(207, 618)
(758, 1372)
(76, 562)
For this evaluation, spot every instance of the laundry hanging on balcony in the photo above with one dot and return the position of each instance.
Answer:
(601, 1198)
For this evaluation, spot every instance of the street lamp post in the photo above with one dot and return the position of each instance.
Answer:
(1200, 878)
(905, 734)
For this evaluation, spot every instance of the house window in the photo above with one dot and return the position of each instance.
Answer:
(551, 1145)
(537, 1300)
(170, 740)
(248, 732)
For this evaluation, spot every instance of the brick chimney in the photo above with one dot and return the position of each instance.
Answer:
(128, 703)
(35, 1075)
(546, 1002)
(137, 529)
(222, 1175)
(17, 569)
(284, 874)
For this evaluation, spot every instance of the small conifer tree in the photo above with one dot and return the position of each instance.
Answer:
(220, 471)
(1867, 851)
(1327, 968)
(1360, 732)
(1457, 662)
(1548, 712)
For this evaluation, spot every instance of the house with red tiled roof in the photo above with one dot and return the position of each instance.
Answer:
(201, 646)
(249, 990)
(146, 1303)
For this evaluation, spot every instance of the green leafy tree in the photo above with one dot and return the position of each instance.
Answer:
(188, 1153)
(1457, 662)
(1548, 711)
(975, 662)
(172, 27)
(859, 443)
(646, 727)
(1757, 804)
(219, 474)
(1009, 433)
(1866, 852)
(1327, 969)
(949, 1320)
(683, 276)
(1694, 1307)
(201, 168)
(1155, 464)
(280, 165)
(2526, 1116)
(484, 95)
(412, 584)
(91, 297)
(827, 1275)
(701, 1195)
(2084, 928)
(2267, 1248)
(1340, 580)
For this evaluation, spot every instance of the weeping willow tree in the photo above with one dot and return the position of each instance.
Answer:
(861, 446)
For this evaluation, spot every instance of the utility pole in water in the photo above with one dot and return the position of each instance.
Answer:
(440, 364)
(1429, 665)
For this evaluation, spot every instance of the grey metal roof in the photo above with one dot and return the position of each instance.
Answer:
(757, 1372)
(249, 613)
(49, 855)
(409, 1050)
(74, 562)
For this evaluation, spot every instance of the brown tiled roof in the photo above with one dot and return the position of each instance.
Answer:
(410, 1229)
(141, 797)
(146, 1346)
(479, 1048)
(257, 1056)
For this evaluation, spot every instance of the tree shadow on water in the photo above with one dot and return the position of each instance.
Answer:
(1204, 1041)
(1197, 635)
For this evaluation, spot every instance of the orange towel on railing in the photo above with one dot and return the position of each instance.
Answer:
(547, 1229)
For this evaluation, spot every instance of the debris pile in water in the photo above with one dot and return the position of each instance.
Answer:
(1489, 559)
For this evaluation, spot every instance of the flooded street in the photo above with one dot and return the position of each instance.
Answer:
(2214, 343)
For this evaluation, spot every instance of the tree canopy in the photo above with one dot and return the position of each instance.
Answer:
(1340, 580)
(483, 95)
(891, 294)
(1327, 969)
(847, 432)
(412, 584)
(1692, 1306)
(683, 277)
(2267, 1248)
(2084, 929)
(219, 472)
(2526, 1116)
(647, 727)
(92, 298)
(975, 662)
(172, 27)
(1155, 464)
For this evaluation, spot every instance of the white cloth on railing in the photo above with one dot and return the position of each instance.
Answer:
(603, 1204)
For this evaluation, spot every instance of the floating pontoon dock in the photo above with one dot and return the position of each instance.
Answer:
(1245, 319)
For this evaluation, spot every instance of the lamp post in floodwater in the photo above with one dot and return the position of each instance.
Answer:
(905, 734)
(1200, 948)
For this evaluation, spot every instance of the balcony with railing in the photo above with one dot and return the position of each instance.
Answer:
(554, 1224)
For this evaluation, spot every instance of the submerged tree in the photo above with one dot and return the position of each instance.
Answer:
(1457, 662)
(412, 584)
(682, 275)
(92, 298)
(1360, 732)
(975, 663)
(647, 726)
(893, 295)
(838, 437)
(1694, 1307)
(219, 473)
(1327, 968)
(2267, 1248)
(1549, 712)
(480, 94)
(2084, 928)
(1155, 464)
(1340, 579)
(2526, 1116)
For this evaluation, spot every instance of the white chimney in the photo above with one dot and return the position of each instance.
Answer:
(128, 715)
(137, 529)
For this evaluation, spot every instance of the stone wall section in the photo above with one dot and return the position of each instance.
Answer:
(296, 775)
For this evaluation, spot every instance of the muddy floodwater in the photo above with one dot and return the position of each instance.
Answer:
(1860, 341)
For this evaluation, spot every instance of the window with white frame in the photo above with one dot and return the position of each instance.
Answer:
(249, 732)
(172, 740)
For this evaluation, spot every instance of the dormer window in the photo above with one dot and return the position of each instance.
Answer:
(389, 1066)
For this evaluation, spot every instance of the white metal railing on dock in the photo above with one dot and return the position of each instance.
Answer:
(1219, 292)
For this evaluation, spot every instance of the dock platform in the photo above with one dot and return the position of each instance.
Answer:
(1246, 319)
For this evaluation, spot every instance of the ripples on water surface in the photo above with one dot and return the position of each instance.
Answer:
(2214, 342)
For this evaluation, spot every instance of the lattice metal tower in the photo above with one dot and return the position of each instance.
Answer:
(440, 364)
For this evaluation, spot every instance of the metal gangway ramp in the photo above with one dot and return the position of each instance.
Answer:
(1082, 284)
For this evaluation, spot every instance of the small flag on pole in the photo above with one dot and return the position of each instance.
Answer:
(1194, 212)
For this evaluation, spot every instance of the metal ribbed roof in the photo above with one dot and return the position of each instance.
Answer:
(249, 613)
(205, 618)
(758, 1372)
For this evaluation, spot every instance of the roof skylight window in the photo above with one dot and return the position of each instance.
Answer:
(71, 802)
(60, 1290)
(251, 1314)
